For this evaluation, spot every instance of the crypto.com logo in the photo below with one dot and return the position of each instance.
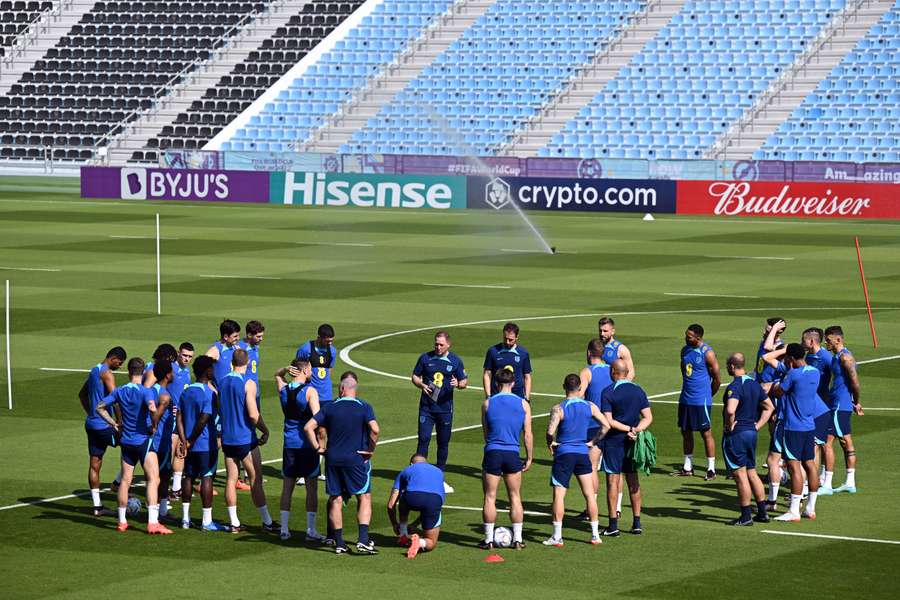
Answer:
(497, 193)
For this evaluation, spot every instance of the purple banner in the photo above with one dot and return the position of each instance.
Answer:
(458, 165)
(137, 183)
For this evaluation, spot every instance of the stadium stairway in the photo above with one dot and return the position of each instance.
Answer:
(41, 35)
(763, 119)
(380, 90)
(140, 141)
(590, 79)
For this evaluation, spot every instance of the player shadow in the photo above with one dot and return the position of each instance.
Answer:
(700, 497)
(53, 511)
(466, 471)
(386, 474)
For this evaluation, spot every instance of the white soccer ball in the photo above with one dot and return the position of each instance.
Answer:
(503, 537)
(134, 506)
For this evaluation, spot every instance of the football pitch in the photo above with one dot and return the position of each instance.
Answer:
(83, 278)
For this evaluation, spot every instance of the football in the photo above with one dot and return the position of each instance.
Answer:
(502, 537)
(134, 506)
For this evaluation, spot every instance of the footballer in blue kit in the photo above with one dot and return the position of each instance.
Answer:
(437, 374)
(100, 383)
(509, 355)
(699, 383)
(181, 379)
(798, 391)
(844, 400)
(418, 488)
(321, 354)
(299, 402)
(505, 419)
(595, 378)
(254, 331)
(771, 340)
(612, 348)
(351, 432)
(566, 434)
(626, 408)
(223, 349)
(198, 443)
(161, 441)
(240, 418)
(746, 409)
(140, 418)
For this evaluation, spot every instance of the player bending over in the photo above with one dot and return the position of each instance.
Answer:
(420, 488)
(505, 417)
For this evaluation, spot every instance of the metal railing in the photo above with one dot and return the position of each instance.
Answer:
(578, 79)
(27, 37)
(376, 83)
(839, 23)
(174, 87)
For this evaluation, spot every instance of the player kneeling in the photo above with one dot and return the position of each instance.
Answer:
(419, 487)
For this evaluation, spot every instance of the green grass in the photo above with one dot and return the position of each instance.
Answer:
(104, 294)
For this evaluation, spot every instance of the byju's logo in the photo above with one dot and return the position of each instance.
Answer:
(497, 193)
(134, 184)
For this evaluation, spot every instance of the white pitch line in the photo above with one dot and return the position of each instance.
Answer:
(237, 277)
(521, 251)
(354, 244)
(479, 509)
(706, 295)
(823, 536)
(751, 257)
(140, 237)
(875, 360)
(462, 285)
(65, 370)
(30, 269)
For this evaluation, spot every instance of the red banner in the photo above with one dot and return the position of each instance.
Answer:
(788, 199)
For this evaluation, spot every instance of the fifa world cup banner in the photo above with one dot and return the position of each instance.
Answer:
(368, 190)
(138, 183)
(590, 195)
(789, 199)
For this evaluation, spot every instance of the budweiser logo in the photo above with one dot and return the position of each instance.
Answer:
(735, 198)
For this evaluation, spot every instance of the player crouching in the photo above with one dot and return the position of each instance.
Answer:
(419, 487)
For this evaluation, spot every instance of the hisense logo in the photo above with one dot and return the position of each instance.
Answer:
(336, 189)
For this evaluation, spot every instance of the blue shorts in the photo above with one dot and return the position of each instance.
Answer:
(776, 445)
(426, 504)
(823, 425)
(201, 463)
(163, 448)
(693, 418)
(799, 445)
(236, 452)
(565, 465)
(351, 480)
(99, 440)
(615, 456)
(133, 455)
(840, 423)
(501, 462)
(739, 449)
(299, 462)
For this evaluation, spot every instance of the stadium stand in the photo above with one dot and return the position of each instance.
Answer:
(235, 91)
(854, 114)
(319, 91)
(492, 78)
(693, 80)
(16, 16)
(119, 58)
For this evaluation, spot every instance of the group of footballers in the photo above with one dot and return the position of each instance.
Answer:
(175, 429)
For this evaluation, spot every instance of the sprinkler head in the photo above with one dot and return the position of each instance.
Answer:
(552, 249)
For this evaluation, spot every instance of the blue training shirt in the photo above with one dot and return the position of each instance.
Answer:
(181, 379)
(438, 371)
(749, 395)
(611, 351)
(296, 413)
(223, 363)
(625, 400)
(421, 477)
(322, 361)
(166, 424)
(800, 387)
(346, 421)
(132, 401)
(839, 395)
(96, 391)
(572, 432)
(252, 365)
(600, 380)
(515, 359)
(196, 400)
(505, 418)
(696, 383)
(237, 429)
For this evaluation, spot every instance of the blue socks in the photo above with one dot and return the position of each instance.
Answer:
(363, 534)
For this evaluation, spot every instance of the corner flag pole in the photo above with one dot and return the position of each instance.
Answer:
(158, 289)
(862, 275)
(8, 358)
